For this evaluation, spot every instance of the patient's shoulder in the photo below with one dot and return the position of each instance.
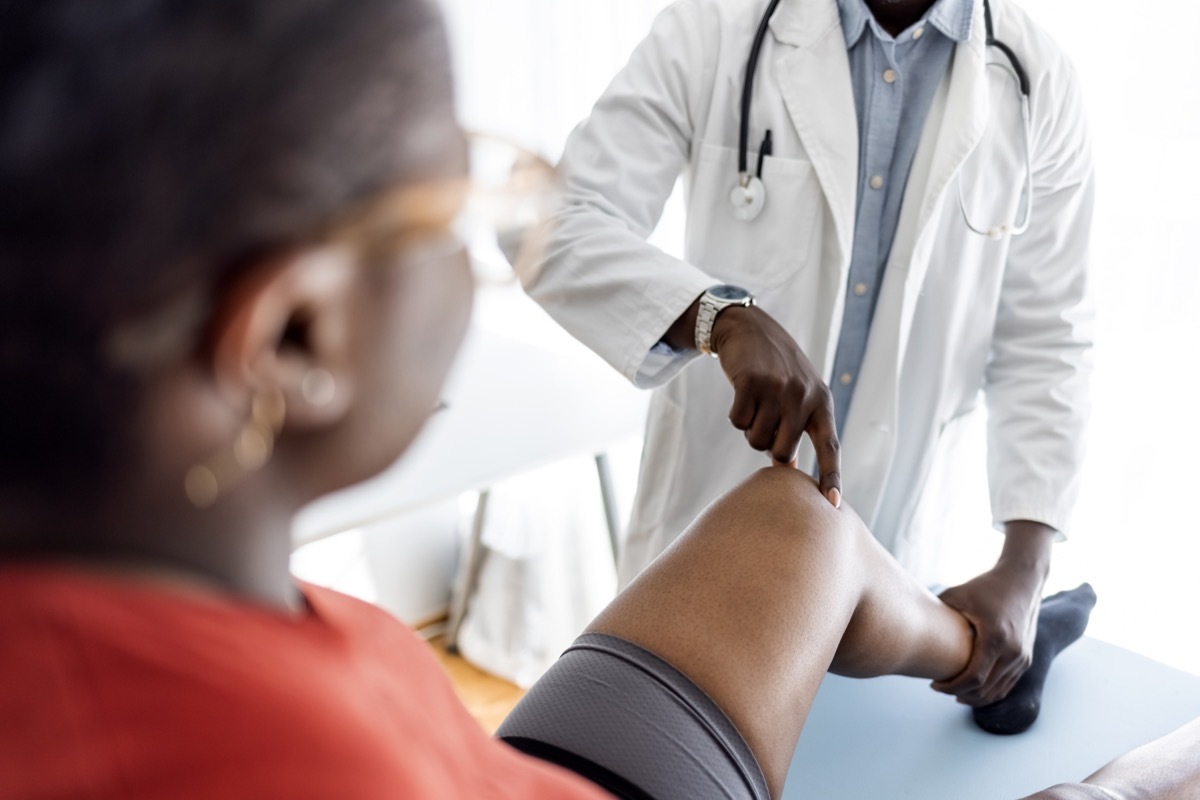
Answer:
(112, 689)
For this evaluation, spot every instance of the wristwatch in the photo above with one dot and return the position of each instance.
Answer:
(712, 303)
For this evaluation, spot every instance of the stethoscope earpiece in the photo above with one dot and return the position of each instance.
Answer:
(748, 198)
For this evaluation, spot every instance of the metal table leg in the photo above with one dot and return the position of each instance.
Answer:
(475, 556)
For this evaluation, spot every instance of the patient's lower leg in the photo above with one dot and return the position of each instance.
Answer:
(1062, 620)
(768, 589)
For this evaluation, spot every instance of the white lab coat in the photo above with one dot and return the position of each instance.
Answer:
(957, 312)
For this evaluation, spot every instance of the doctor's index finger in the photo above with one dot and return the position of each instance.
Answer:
(823, 431)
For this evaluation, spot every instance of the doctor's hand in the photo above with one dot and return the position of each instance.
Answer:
(778, 394)
(1002, 606)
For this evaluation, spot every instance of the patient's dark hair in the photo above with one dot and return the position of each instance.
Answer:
(147, 146)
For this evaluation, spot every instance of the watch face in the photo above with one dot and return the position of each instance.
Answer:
(727, 292)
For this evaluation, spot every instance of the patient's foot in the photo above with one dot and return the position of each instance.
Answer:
(1062, 619)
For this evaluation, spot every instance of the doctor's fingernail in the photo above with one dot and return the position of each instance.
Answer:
(835, 497)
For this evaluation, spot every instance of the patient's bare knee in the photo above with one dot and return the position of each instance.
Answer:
(786, 503)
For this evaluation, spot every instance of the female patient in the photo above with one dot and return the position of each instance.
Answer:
(228, 286)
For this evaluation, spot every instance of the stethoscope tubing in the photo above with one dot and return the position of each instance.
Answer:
(1017, 228)
(748, 91)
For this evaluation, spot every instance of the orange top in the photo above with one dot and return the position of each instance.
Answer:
(114, 690)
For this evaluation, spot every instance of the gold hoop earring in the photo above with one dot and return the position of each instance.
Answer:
(251, 450)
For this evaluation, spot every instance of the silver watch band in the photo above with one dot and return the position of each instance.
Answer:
(706, 317)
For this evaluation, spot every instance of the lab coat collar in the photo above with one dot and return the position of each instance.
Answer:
(804, 22)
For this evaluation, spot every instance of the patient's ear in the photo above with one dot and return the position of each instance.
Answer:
(286, 326)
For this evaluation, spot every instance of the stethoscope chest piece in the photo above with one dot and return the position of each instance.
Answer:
(748, 199)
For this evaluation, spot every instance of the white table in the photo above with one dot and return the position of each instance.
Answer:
(895, 738)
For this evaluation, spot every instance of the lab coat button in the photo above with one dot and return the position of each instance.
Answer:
(876, 181)
(889, 76)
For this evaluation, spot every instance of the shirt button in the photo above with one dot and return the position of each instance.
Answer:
(846, 378)
(918, 33)
(889, 76)
(876, 181)
(860, 289)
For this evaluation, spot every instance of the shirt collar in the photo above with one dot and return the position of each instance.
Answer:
(854, 14)
(951, 17)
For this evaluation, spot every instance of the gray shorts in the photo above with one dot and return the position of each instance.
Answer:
(628, 721)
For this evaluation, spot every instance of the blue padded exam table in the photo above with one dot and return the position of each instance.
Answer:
(896, 739)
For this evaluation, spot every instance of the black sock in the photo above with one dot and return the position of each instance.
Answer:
(1062, 619)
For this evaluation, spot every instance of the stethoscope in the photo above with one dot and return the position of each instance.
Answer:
(750, 195)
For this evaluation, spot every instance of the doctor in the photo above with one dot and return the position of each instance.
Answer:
(888, 212)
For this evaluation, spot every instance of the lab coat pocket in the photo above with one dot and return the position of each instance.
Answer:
(761, 253)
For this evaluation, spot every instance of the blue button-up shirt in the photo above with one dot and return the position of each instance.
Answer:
(894, 81)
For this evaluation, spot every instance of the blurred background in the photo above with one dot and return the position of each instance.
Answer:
(530, 70)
